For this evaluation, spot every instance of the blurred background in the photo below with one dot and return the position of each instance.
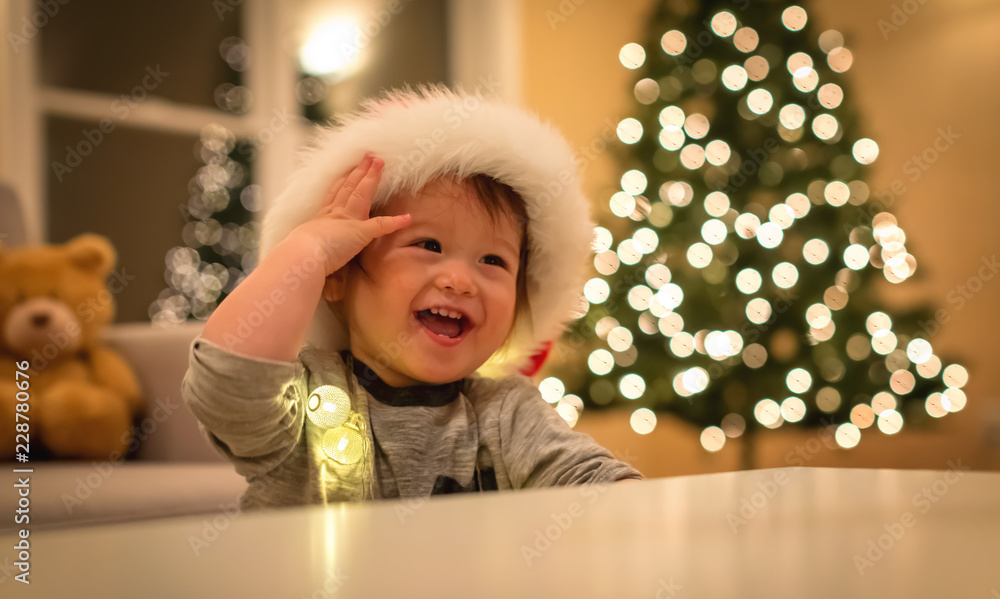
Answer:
(168, 127)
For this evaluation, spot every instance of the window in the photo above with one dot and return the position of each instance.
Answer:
(167, 127)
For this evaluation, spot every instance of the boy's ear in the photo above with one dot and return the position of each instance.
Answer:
(335, 287)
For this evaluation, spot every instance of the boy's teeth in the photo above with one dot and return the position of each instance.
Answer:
(447, 313)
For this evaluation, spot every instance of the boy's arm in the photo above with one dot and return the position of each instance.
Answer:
(541, 450)
(268, 314)
(250, 410)
(283, 291)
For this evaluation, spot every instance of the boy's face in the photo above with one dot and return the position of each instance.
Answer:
(451, 257)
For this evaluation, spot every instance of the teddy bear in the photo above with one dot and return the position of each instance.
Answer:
(82, 396)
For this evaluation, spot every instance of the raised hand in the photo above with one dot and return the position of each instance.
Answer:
(341, 227)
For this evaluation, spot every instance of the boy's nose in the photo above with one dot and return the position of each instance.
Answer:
(457, 279)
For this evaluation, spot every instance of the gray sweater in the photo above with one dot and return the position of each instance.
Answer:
(476, 434)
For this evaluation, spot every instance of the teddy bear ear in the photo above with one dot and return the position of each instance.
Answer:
(91, 253)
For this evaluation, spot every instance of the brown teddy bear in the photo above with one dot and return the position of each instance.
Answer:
(82, 396)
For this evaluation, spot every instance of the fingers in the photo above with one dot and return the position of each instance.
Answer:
(383, 225)
(359, 202)
(341, 188)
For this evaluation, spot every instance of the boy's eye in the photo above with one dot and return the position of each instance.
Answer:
(430, 245)
(496, 260)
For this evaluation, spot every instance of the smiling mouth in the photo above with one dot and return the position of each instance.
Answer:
(442, 325)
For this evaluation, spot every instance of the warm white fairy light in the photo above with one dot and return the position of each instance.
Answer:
(956, 399)
(643, 421)
(758, 310)
(629, 130)
(767, 412)
(596, 291)
(695, 379)
(955, 376)
(657, 275)
(734, 77)
(619, 339)
(602, 239)
(713, 438)
(634, 182)
(645, 240)
(696, 126)
(769, 235)
(746, 39)
(890, 422)
(781, 215)
(793, 409)
(639, 297)
(847, 436)
(862, 416)
(724, 24)
(699, 255)
(552, 389)
(815, 251)
(798, 380)
(628, 253)
(830, 95)
(632, 55)
(601, 362)
(670, 296)
(622, 204)
(748, 281)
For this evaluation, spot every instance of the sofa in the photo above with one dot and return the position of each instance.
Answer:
(174, 472)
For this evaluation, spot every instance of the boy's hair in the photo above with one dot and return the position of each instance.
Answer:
(499, 200)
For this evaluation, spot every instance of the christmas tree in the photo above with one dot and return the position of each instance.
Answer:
(219, 235)
(735, 285)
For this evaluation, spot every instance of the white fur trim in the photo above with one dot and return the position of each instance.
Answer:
(432, 131)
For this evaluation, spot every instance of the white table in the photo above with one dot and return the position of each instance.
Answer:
(806, 533)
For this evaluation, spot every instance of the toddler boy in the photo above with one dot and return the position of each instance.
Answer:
(376, 350)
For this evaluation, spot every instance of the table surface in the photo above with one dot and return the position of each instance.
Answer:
(790, 532)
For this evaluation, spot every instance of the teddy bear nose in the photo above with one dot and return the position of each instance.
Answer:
(40, 320)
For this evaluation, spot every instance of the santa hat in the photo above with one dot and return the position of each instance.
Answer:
(433, 131)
